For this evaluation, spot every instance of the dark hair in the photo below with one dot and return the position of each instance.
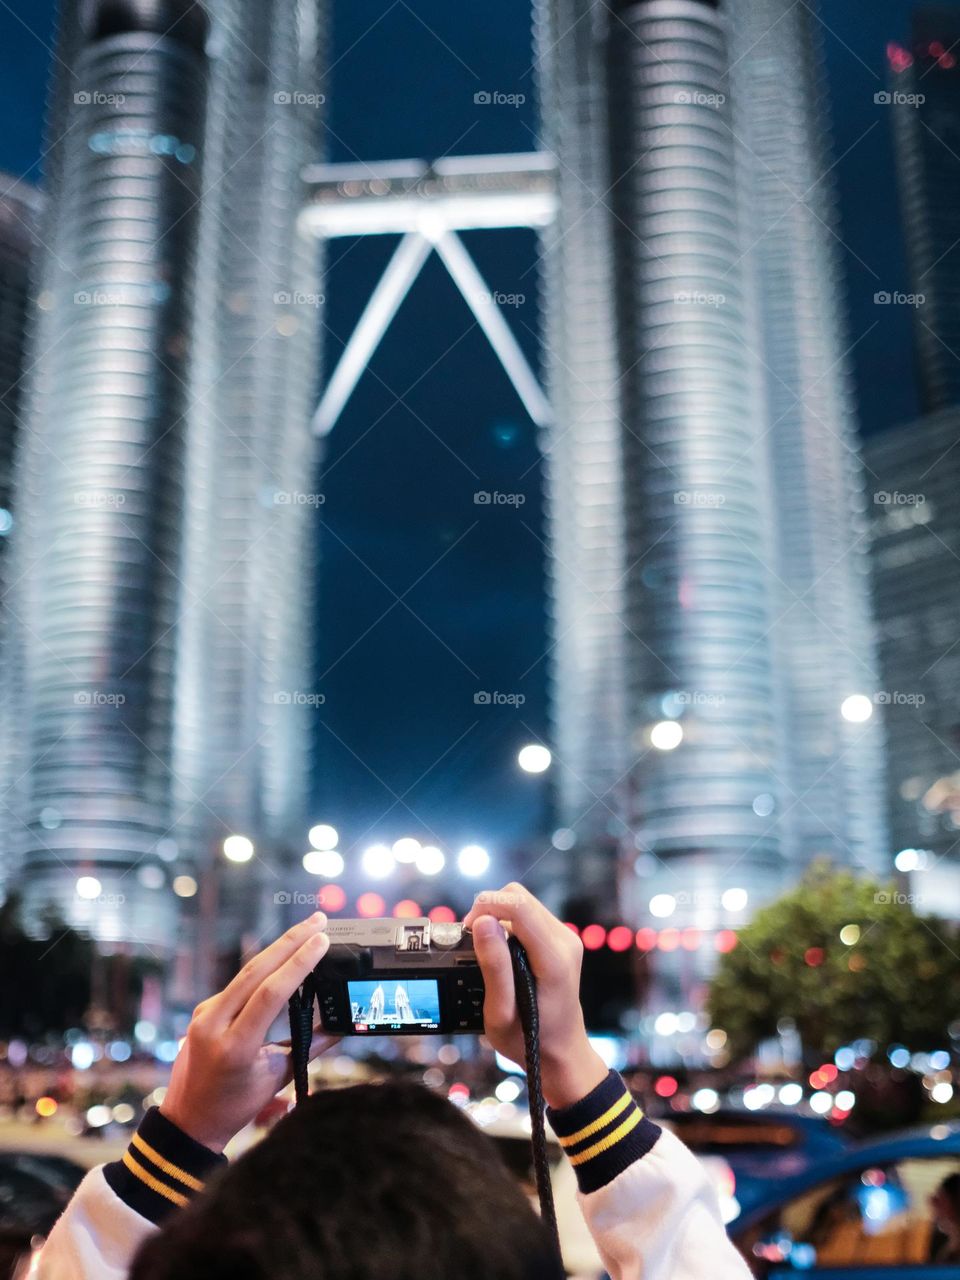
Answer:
(386, 1182)
(950, 1187)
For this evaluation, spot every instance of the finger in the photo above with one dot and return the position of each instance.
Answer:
(493, 956)
(542, 935)
(235, 995)
(255, 1019)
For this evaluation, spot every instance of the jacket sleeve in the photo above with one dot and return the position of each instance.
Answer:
(118, 1205)
(648, 1203)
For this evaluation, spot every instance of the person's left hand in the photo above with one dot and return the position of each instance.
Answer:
(224, 1073)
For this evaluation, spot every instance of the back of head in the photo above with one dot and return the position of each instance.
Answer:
(377, 1182)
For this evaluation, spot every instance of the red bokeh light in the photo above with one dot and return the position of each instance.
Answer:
(813, 956)
(620, 938)
(332, 898)
(593, 937)
(370, 905)
(725, 941)
(443, 915)
(665, 1087)
(669, 939)
(407, 909)
(947, 61)
(829, 1072)
(898, 57)
(646, 939)
(690, 939)
(572, 927)
(458, 1090)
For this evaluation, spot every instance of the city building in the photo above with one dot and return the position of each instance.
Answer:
(924, 103)
(160, 666)
(19, 213)
(915, 477)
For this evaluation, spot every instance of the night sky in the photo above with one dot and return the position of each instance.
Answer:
(426, 598)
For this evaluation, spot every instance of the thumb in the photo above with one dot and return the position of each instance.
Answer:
(493, 956)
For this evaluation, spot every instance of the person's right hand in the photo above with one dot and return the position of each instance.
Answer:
(224, 1073)
(569, 1064)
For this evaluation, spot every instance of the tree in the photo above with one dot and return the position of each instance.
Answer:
(890, 977)
(44, 982)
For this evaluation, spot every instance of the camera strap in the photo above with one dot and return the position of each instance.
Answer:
(301, 1035)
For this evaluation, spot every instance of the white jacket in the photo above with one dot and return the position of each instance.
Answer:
(647, 1201)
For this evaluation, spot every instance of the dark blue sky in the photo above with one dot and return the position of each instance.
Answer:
(402, 745)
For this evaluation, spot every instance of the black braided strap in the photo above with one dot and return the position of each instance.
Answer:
(301, 1034)
(526, 988)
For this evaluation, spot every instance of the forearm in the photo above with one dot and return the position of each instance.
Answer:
(118, 1205)
(647, 1201)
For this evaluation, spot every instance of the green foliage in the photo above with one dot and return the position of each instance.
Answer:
(896, 984)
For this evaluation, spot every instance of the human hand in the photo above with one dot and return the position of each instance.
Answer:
(570, 1066)
(224, 1073)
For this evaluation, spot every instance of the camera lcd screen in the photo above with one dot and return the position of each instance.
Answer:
(394, 1004)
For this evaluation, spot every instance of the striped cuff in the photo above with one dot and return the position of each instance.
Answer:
(603, 1133)
(161, 1170)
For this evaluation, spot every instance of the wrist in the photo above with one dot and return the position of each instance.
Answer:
(568, 1076)
(197, 1132)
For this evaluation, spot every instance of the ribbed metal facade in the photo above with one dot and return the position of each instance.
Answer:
(583, 451)
(100, 484)
(244, 676)
(19, 227)
(697, 611)
(915, 553)
(924, 87)
(830, 772)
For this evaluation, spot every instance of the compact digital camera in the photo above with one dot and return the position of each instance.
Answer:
(399, 977)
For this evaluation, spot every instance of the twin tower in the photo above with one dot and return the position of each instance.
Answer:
(708, 583)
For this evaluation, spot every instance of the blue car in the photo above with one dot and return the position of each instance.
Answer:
(873, 1211)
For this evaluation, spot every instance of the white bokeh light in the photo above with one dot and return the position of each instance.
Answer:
(473, 860)
(238, 848)
(323, 862)
(378, 861)
(323, 836)
(406, 849)
(534, 758)
(856, 708)
(430, 860)
(663, 905)
(666, 735)
(734, 899)
(88, 887)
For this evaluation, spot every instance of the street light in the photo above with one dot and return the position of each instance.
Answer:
(378, 861)
(430, 860)
(323, 836)
(238, 848)
(473, 860)
(534, 758)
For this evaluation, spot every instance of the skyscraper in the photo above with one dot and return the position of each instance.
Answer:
(829, 792)
(101, 469)
(727, 484)
(19, 212)
(925, 110)
(915, 471)
(168, 472)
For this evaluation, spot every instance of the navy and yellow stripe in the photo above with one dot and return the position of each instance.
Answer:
(161, 1170)
(603, 1133)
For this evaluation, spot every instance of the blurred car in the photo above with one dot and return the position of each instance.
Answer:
(863, 1213)
(34, 1189)
(756, 1146)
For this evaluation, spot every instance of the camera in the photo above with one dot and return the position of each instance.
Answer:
(399, 977)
